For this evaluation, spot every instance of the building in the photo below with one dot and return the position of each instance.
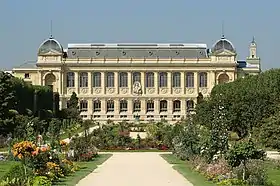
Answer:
(131, 81)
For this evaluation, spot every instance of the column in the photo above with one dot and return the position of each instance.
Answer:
(103, 80)
(170, 108)
(130, 108)
(143, 75)
(60, 83)
(90, 107)
(156, 106)
(116, 79)
(211, 80)
(117, 108)
(129, 82)
(89, 82)
(143, 108)
(196, 83)
(169, 82)
(183, 107)
(39, 78)
(156, 81)
(183, 82)
(103, 106)
(62, 80)
(77, 82)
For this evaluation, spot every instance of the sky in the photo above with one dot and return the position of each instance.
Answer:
(26, 24)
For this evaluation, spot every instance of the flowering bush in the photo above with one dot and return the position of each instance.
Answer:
(218, 170)
(23, 149)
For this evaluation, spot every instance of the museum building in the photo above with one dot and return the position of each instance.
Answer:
(136, 80)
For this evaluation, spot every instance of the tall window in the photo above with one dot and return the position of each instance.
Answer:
(137, 106)
(176, 79)
(149, 79)
(110, 79)
(84, 105)
(123, 106)
(83, 79)
(70, 79)
(123, 79)
(150, 106)
(190, 104)
(202, 79)
(136, 77)
(176, 106)
(190, 79)
(110, 106)
(163, 106)
(162, 79)
(96, 79)
(96, 106)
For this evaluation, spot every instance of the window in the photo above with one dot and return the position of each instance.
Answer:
(83, 79)
(190, 104)
(96, 106)
(176, 79)
(190, 80)
(96, 79)
(163, 106)
(149, 79)
(123, 106)
(26, 75)
(110, 106)
(176, 106)
(84, 105)
(68, 104)
(70, 79)
(136, 106)
(150, 106)
(123, 79)
(136, 77)
(202, 79)
(162, 79)
(110, 79)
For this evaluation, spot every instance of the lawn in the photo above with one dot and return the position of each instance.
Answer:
(273, 173)
(5, 167)
(185, 169)
(86, 168)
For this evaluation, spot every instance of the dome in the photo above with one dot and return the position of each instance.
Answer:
(50, 45)
(223, 44)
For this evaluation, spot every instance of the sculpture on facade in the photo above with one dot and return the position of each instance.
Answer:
(137, 88)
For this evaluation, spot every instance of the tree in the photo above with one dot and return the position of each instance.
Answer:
(72, 111)
(241, 153)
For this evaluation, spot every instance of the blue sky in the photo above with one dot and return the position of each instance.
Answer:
(25, 24)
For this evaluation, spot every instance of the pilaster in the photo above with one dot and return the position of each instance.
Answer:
(129, 81)
(156, 104)
(183, 83)
(156, 82)
(103, 88)
(117, 106)
(116, 82)
(90, 106)
(143, 75)
(169, 82)
(170, 107)
(76, 82)
(143, 107)
(183, 107)
(90, 82)
(196, 83)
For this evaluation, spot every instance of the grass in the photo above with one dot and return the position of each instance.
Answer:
(186, 170)
(5, 167)
(86, 168)
(273, 173)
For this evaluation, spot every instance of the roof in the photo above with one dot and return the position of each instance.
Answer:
(50, 45)
(137, 50)
(27, 65)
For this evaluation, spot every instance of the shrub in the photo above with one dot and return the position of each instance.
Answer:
(41, 181)
(232, 182)
(16, 175)
(218, 170)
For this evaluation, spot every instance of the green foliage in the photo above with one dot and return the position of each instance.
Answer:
(41, 181)
(232, 182)
(17, 176)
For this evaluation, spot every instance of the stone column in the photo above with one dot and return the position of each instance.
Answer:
(169, 82)
(156, 82)
(59, 83)
(62, 80)
(116, 79)
(183, 107)
(39, 78)
(143, 75)
(77, 82)
(183, 83)
(89, 82)
(117, 108)
(196, 83)
(143, 108)
(211, 80)
(129, 108)
(90, 107)
(103, 107)
(156, 107)
(129, 82)
(170, 107)
(103, 84)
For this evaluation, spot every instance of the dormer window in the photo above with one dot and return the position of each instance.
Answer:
(26, 76)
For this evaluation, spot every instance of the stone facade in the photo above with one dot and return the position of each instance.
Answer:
(144, 81)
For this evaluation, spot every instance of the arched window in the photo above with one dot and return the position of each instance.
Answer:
(84, 105)
(176, 79)
(162, 79)
(137, 106)
(202, 79)
(110, 79)
(136, 77)
(96, 79)
(123, 79)
(176, 106)
(123, 106)
(163, 106)
(70, 79)
(149, 79)
(190, 79)
(110, 106)
(223, 78)
(150, 106)
(96, 106)
(190, 104)
(83, 79)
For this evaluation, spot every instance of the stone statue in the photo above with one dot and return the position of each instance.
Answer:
(137, 88)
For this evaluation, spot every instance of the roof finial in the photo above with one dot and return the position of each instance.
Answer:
(253, 41)
(223, 30)
(51, 30)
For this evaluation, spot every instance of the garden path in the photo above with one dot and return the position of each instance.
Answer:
(137, 169)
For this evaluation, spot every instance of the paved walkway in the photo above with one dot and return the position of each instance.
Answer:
(135, 169)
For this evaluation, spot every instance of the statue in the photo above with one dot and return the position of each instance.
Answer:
(137, 88)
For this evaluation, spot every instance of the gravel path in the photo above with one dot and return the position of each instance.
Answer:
(135, 169)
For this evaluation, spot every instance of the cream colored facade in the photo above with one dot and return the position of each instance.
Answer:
(127, 81)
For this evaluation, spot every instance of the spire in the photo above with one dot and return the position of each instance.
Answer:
(253, 41)
(223, 30)
(51, 36)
